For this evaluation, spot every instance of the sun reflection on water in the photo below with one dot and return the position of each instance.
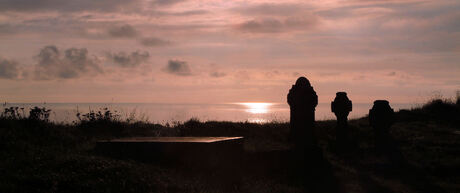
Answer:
(257, 120)
(257, 108)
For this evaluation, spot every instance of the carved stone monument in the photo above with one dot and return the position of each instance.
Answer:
(381, 117)
(302, 100)
(341, 107)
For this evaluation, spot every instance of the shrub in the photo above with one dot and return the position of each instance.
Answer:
(12, 113)
(41, 114)
(104, 114)
(458, 98)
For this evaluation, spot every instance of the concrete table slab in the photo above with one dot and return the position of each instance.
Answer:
(207, 150)
(173, 139)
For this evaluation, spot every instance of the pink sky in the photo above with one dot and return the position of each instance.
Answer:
(216, 51)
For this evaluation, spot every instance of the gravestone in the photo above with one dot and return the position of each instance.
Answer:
(302, 100)
(341, 107)
(381, 117)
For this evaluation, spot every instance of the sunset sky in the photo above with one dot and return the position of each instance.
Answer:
(221, 51)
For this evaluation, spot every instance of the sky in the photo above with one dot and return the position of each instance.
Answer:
(220, 51)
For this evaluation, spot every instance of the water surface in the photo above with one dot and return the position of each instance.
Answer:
(170, 113)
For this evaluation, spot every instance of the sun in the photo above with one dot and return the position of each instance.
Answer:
(257, 108)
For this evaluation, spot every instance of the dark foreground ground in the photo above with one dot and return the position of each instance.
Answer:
(38, 156)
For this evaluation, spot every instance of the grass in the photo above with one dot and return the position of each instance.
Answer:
(40, 156)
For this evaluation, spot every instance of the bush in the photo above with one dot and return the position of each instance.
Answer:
(17, 113)
(40, 114)
(12, 113)
(104, 114)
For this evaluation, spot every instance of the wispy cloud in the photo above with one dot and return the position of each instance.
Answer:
(167, 2)
(69, 6)
(271, 25)
(272, 9)
(153, 42)
(217, 74)
(124, 31)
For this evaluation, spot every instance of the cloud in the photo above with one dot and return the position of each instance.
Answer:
(129, 60)
(73, 64)
(178, 67)
(124, 31)
(263, 26)
(243, 75)
(6, 29)
(193, 12)
(217, 74)
(215, 71)
(70, 6)
(276, 17)
(405, 26)
(153, 41)
(393, 73)
(167, 2)
(187, 13)
(368, 8)
(8, 69)
(271, 9)
(95, 6)
(272, 25)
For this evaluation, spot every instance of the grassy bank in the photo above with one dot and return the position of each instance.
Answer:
(40, 156)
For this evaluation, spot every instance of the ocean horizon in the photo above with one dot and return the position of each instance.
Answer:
(172, 113)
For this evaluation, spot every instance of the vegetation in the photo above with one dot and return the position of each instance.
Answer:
(40, 156)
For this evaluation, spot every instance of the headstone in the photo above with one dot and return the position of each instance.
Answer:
(302, 100)
(341, 107)
(381, 117)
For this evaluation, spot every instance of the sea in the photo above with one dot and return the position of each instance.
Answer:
(177, 113)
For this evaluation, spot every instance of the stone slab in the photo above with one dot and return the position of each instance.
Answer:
(172, 139)
(202, 150)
